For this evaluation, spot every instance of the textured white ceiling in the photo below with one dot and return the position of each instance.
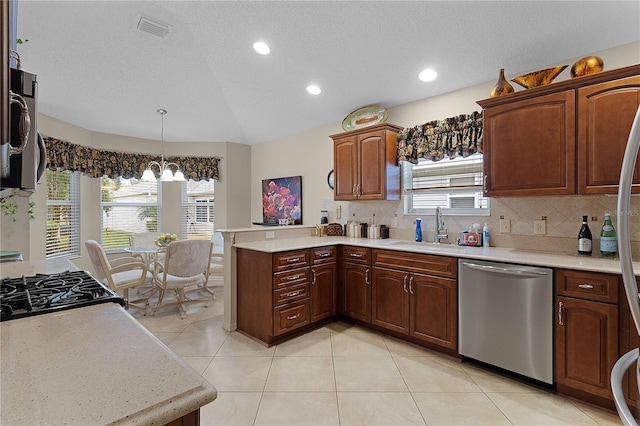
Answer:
(98, 72)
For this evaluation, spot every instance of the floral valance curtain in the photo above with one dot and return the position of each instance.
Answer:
(98, 163)
(435, 140)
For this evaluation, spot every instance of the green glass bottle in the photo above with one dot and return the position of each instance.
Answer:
(608, 238)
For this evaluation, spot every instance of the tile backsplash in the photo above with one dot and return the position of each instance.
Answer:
(563, 220)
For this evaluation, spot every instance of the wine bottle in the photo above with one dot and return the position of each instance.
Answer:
(608, 238)
(585, 239)
(418, 229)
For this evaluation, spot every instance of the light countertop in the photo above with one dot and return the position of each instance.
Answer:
(509, 255)
(91, 366)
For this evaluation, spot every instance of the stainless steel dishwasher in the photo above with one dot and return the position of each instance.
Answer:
(505, 317)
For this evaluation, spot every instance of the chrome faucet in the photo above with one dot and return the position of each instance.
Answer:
(441, 230)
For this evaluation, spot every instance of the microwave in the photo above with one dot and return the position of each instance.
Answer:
(26, 167)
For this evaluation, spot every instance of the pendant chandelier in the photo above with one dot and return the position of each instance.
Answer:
(164, 167)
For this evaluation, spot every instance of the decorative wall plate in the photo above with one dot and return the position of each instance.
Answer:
(330, 179)
(365, 116)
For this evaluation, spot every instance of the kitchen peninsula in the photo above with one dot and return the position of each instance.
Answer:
(93, 365)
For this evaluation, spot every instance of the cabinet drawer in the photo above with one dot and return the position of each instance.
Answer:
(284, 279)
(356, 254)
(423, 263)
(290, 260)
(323, 254)
(290, 316)
(587, 285)
(290, 294)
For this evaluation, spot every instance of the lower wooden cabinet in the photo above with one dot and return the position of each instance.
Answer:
(356, 291)
(323, 291)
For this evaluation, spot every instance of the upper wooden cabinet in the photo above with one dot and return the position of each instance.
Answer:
(605, 114)
(565, 138)
(365, 164)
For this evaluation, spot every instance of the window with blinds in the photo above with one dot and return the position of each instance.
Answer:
(453, 185)
(63, 213)
(128, 206)
(198, 209)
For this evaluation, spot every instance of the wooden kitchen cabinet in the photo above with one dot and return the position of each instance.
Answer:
(355, 291)
(529, 146)
(365, 164)
(605, 114)
(586, 333)
(408, 300)
(324, 272)
(538, 140)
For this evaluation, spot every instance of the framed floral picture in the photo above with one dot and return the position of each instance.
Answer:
(282, 201)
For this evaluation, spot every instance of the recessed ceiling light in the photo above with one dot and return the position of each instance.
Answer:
(261, 48)
(314, 90)
(428, 75)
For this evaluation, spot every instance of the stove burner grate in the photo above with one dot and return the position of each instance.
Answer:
(42, 293)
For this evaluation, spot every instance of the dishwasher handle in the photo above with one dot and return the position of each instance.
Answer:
(524, 273)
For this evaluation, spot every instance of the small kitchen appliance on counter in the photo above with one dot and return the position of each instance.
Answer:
(46, 293)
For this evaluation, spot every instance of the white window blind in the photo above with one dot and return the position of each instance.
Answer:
(198, 209)
(128, 206)
(63, 213)
(453, 185)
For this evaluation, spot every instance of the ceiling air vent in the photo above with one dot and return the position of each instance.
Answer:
(152, 26)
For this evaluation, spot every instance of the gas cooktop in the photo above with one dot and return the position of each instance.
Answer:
(45, 293)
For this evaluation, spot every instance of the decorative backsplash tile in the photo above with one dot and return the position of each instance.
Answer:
(563, 215)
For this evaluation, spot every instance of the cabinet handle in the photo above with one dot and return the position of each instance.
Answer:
(356, 255)
(366, 276)
(294, 316)
(293, 259)
(353, 190)
(293, 293)
(358, 191)
(293, 277)
(313, 281)
(411, 284)
(404, 283)
(484, 183)
(586, 286)
(560, 313)
(325, 254)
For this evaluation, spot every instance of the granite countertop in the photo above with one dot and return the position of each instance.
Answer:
(90, 366)
(499, 254)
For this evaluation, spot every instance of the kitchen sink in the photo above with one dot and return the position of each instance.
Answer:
(428, 245)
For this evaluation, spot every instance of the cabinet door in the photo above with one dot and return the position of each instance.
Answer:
(529, 146)
(357, 291)
(345, 163)
(586, 345)
(434, 310)
(605, 114)
(390, 299)
(372, 166)
(323, 291)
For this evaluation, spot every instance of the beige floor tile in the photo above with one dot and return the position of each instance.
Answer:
(205, 324)
(359, 344)
(378, 408)
(539, 409)
(198, 344)
(299, 408)
(434, 374)
(231, 409)
(368, 374)
(600, 415)
(165, 337)
(198, 363)
(311, 344)
(490, 381)
(459, 409)
(399, 347)
(238, 373)
(301, 374)
(241, 346)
